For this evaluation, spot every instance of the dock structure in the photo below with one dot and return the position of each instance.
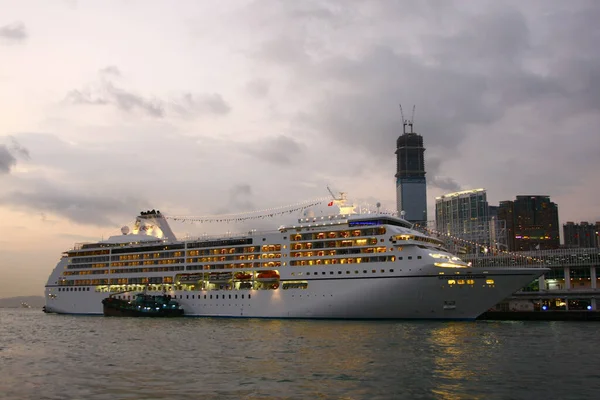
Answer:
(570, 285)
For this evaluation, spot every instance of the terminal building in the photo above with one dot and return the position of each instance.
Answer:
(571, 284)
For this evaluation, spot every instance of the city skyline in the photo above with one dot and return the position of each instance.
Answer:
(111, 108)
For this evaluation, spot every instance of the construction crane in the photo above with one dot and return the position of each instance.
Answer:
(407, 122)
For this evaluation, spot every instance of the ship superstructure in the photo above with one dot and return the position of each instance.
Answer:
(346, 265)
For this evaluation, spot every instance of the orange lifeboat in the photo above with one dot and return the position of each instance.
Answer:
(268, 275)
(243, 276)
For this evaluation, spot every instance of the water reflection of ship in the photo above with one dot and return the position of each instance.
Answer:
(450, 360)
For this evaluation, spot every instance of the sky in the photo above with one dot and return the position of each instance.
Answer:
(210, 107)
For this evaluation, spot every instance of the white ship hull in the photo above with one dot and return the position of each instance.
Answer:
(362, 267)
(382, 297)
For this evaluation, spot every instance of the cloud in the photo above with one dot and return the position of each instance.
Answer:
(190, 105)
(444, 183)
(279, 150)
(106, 92)
(83, 208)
(124, 100)
(7, 160)
(110, 70)
(239, 200)
(13, 33)
(258, 88)
(16, 147)
(240, 197)
(9, 155)
(515, 80)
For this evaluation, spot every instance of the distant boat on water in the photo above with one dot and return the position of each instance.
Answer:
(25, 305)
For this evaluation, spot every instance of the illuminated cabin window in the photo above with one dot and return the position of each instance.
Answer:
(470, 282)
(451, 282)
(489, 281)
(295, 285)
(461, 281)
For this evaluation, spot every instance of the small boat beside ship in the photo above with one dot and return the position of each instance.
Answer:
(142, 305)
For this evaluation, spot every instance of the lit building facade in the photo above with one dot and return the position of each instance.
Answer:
(583, 235)
(464, 215)
(531, 223)
(411, 191)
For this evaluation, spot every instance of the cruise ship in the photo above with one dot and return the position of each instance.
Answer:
(350, 265)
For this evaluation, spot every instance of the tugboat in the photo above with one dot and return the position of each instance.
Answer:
(143, 305)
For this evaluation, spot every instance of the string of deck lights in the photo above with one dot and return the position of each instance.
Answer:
(252, 215)
(479, 244)
(301, 206)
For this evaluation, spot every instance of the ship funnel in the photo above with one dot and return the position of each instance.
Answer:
(153, 223)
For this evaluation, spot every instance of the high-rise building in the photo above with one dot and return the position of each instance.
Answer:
(505, 213)
(411, 192)
(584, 234)
(531, 223)
(464, 215)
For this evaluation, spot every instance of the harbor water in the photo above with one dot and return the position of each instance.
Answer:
(45, 356)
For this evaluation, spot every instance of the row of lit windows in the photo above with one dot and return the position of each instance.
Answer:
(87, 272)
(489, 282)
(321, 253)
(146, 269)
(338, 234)
(418, 239)
(356, 272)
(148, 262)
(146, 256)
(236, 250)
(210, 296)
(352, 260)
(335, 244)
(82, 266)
(88, 253)
(233, 258)
(118, 281)
(83, 260)
(193, 297)
(269, 264)
(294, 285)
(231, 250)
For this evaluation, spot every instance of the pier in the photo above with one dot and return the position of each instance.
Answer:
(571, 285)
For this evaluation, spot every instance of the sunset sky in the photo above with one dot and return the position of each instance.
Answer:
(209, 107)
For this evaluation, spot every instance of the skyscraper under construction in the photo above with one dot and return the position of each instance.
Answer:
(411, 192)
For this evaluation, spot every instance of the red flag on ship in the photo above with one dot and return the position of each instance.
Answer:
(330, 204)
